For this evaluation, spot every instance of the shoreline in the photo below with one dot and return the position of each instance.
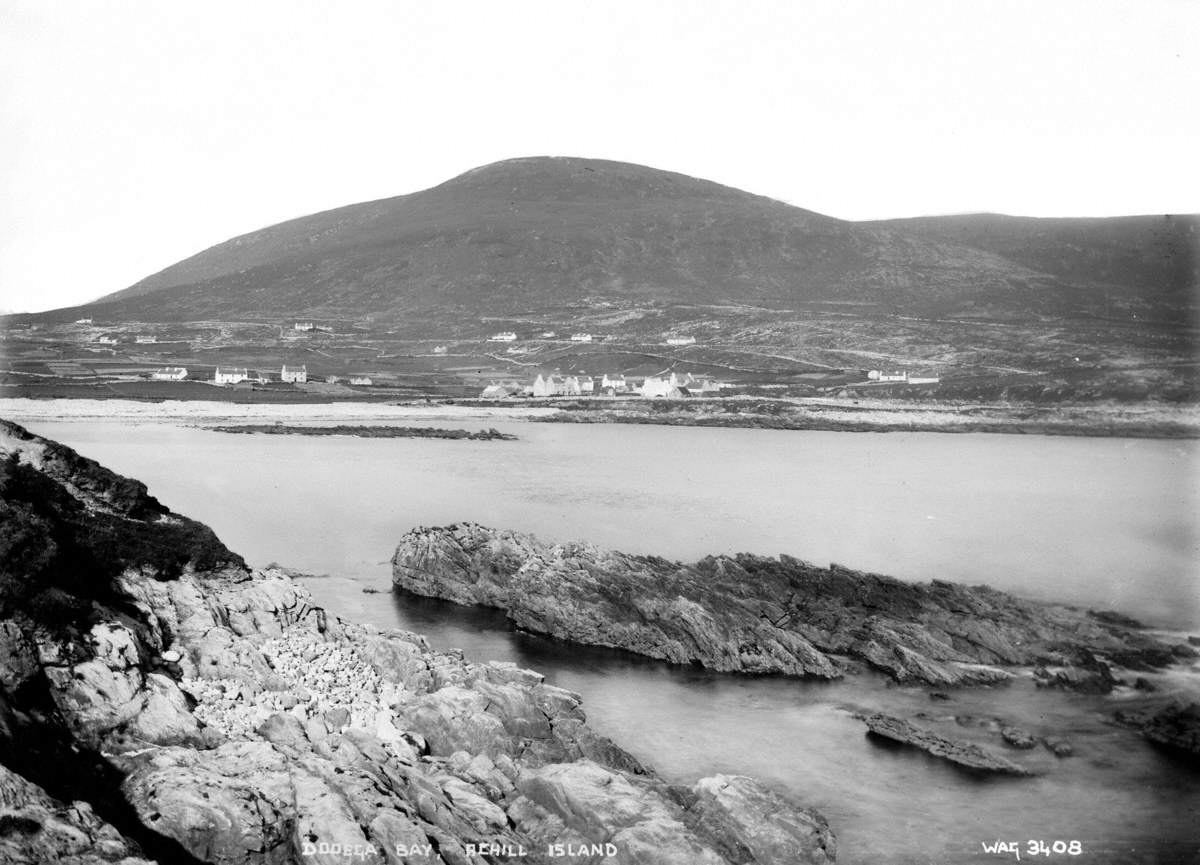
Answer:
(366, 431)
(1151, 421)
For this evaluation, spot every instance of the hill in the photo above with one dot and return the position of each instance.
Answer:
(561, 233)
(1149, 255)
(407, 291)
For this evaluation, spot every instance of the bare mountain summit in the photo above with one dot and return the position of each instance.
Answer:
(557, 233)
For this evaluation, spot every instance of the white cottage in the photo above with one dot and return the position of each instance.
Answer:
(613, 384)
(232, 375)
(294, 374)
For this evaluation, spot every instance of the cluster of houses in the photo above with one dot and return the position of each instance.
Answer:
(674, 386)
(583, 336)
(232, 375)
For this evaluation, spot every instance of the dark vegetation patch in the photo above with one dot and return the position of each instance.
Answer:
(58, 557)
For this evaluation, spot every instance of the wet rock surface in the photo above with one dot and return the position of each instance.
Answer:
(964, 754)
(753, 614)
(207, 713)
(1176, 727)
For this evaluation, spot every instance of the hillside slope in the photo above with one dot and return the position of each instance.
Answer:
(1149, 255)
(560, 233)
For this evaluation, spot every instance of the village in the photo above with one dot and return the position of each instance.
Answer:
(303, 359)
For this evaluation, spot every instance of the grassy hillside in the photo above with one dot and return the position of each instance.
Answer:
(1149, 256)
(554, 233)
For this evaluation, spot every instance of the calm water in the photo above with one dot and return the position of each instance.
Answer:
(1099, 522)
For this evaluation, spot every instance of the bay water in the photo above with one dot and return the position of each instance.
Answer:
(1101, 523)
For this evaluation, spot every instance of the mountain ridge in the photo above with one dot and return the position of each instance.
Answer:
(565, 231)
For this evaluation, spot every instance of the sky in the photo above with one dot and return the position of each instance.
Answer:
(134, 133)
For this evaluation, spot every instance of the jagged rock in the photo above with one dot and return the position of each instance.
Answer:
(1176, 727)
(772, 830)
(600, 806)
(752, 614)
(243, 724)
(1018, 737)
(963, 754)
(1092, 676)
(36, 828)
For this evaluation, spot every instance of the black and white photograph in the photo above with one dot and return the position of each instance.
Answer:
(646, 432)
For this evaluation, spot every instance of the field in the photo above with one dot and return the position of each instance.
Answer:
(821, 353)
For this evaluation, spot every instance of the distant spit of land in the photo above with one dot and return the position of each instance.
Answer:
(370, 432)
(380, 419)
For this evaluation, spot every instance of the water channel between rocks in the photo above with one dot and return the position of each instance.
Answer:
(1103, 523)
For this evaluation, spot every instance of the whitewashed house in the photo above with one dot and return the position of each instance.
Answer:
(145, 340)
(587, 385)
(657, 387)
(674, 386)
(231, 375)
(545, 386)
(169, 373)
(500, 391)
(613, 384)
(294, 374)
(107, 340)
(303, 326)
(503, 336)
(439, 349)
(681, 340)
(894, 375)
(581, 337)
(361, 380)
(83, 321)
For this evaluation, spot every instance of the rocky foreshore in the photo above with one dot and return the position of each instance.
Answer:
(161, 702)
(761, 615)
(368, 432)
(964, 754)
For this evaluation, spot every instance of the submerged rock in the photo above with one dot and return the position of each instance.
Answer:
(754, 614)
(1018, 737)
(963, 754)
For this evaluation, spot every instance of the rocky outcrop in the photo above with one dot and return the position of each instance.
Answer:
(965, 754)
(753, 614)
(36, 828)
(191, 710)
(370, 432)
(1176, 727)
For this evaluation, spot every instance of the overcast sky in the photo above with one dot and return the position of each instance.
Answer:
(134, 134)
